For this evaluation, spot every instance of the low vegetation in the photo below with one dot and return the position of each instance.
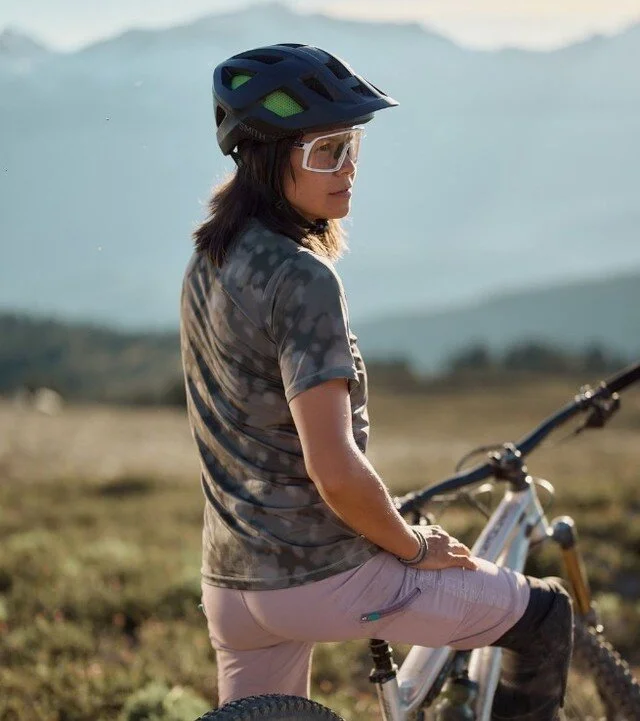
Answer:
(100, 513)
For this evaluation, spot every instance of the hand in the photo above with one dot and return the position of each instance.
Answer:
(445, 551)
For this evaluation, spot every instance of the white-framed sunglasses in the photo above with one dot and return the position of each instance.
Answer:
(327, 153)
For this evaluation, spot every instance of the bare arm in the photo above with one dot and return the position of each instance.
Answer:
(350, 486)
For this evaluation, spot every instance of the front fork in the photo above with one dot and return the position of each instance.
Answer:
(564, 533)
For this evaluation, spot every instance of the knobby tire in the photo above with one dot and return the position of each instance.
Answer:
(272, 707)
(619, 691)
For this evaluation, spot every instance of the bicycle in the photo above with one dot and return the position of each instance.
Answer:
(440, 684)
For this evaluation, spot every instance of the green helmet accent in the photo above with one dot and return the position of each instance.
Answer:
(282, 104)
(239, 79)
(277, 102)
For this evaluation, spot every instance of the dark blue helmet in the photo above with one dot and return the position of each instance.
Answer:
(282, 90)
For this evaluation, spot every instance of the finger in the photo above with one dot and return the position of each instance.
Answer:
(436, 531)
(461, 548)
(469, 563)
(464, 562)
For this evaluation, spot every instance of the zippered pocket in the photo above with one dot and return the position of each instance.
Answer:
(394, 608)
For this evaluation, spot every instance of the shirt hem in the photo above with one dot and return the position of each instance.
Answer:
(304, 384)
(272, 584)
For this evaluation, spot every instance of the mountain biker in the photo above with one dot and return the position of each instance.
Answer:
(301, 540)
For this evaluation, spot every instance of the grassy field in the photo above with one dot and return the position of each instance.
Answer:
(100, 512)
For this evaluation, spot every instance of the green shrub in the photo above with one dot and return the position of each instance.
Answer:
(157, 702)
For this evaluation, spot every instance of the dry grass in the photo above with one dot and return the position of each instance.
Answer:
(95, 443)
(415, 438)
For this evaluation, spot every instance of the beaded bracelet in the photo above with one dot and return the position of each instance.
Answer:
(422, 551)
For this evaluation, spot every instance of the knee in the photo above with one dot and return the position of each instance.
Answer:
(558, 624)
(547, 621)
(549, 591)
(561, 596)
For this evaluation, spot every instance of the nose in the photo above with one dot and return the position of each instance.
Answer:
(348, 166)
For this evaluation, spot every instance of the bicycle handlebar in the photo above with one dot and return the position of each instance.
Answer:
(587, 399)
(623, 379)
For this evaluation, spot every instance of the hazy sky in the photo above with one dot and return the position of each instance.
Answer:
(68, 24)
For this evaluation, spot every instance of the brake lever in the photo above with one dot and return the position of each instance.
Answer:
(604, 405)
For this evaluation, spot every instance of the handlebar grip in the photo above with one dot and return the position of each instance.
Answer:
(624, 378)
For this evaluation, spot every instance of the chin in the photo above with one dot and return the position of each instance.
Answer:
(337, 213)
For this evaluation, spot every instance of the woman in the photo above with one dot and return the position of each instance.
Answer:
(301, 540)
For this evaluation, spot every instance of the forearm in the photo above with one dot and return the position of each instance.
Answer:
(359, 497)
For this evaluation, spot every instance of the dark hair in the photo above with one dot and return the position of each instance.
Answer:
(256, 190)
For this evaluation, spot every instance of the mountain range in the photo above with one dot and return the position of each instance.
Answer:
(498, 171)
(571, 316)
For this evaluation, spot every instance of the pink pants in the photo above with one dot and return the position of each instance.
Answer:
(264, 639)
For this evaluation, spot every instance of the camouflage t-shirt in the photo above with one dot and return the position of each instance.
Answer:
(269, 324)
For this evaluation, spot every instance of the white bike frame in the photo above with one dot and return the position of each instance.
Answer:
(517, 522)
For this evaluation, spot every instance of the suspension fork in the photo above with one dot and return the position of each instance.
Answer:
(564, 533)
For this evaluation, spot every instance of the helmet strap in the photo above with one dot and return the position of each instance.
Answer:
(319, 226)
(236, 158)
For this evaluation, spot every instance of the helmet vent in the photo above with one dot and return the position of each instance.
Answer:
(315, 85)
(259, 57)
(282, 104)
(232, 78)
(362, 89)
(338, 69)
(239, 79)
(220, 116)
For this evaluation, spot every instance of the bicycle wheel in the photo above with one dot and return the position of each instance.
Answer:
(272, 707)
(601, 686)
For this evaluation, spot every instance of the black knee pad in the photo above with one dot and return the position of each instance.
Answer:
(536, 656)
(548, 612)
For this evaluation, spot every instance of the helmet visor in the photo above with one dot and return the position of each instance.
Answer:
(327, 153)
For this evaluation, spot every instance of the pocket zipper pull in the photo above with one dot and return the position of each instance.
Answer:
(398, 606)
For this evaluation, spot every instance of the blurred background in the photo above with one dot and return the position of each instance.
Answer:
(494, 268)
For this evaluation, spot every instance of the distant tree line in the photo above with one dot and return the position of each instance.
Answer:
(85, 362)
(477, 363)
(535, 357)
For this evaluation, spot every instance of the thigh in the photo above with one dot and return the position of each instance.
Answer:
(383, 598)
(282, 668)
(462, 608)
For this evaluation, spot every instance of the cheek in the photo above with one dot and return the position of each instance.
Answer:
(306, 190)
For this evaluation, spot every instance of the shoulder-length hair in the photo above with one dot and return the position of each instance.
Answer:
(256, 190)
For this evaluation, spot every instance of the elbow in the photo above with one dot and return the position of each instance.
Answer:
(330, 472)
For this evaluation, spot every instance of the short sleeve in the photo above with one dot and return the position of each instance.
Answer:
(309, 324)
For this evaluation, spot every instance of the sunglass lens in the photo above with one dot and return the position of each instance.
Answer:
(328, 152)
